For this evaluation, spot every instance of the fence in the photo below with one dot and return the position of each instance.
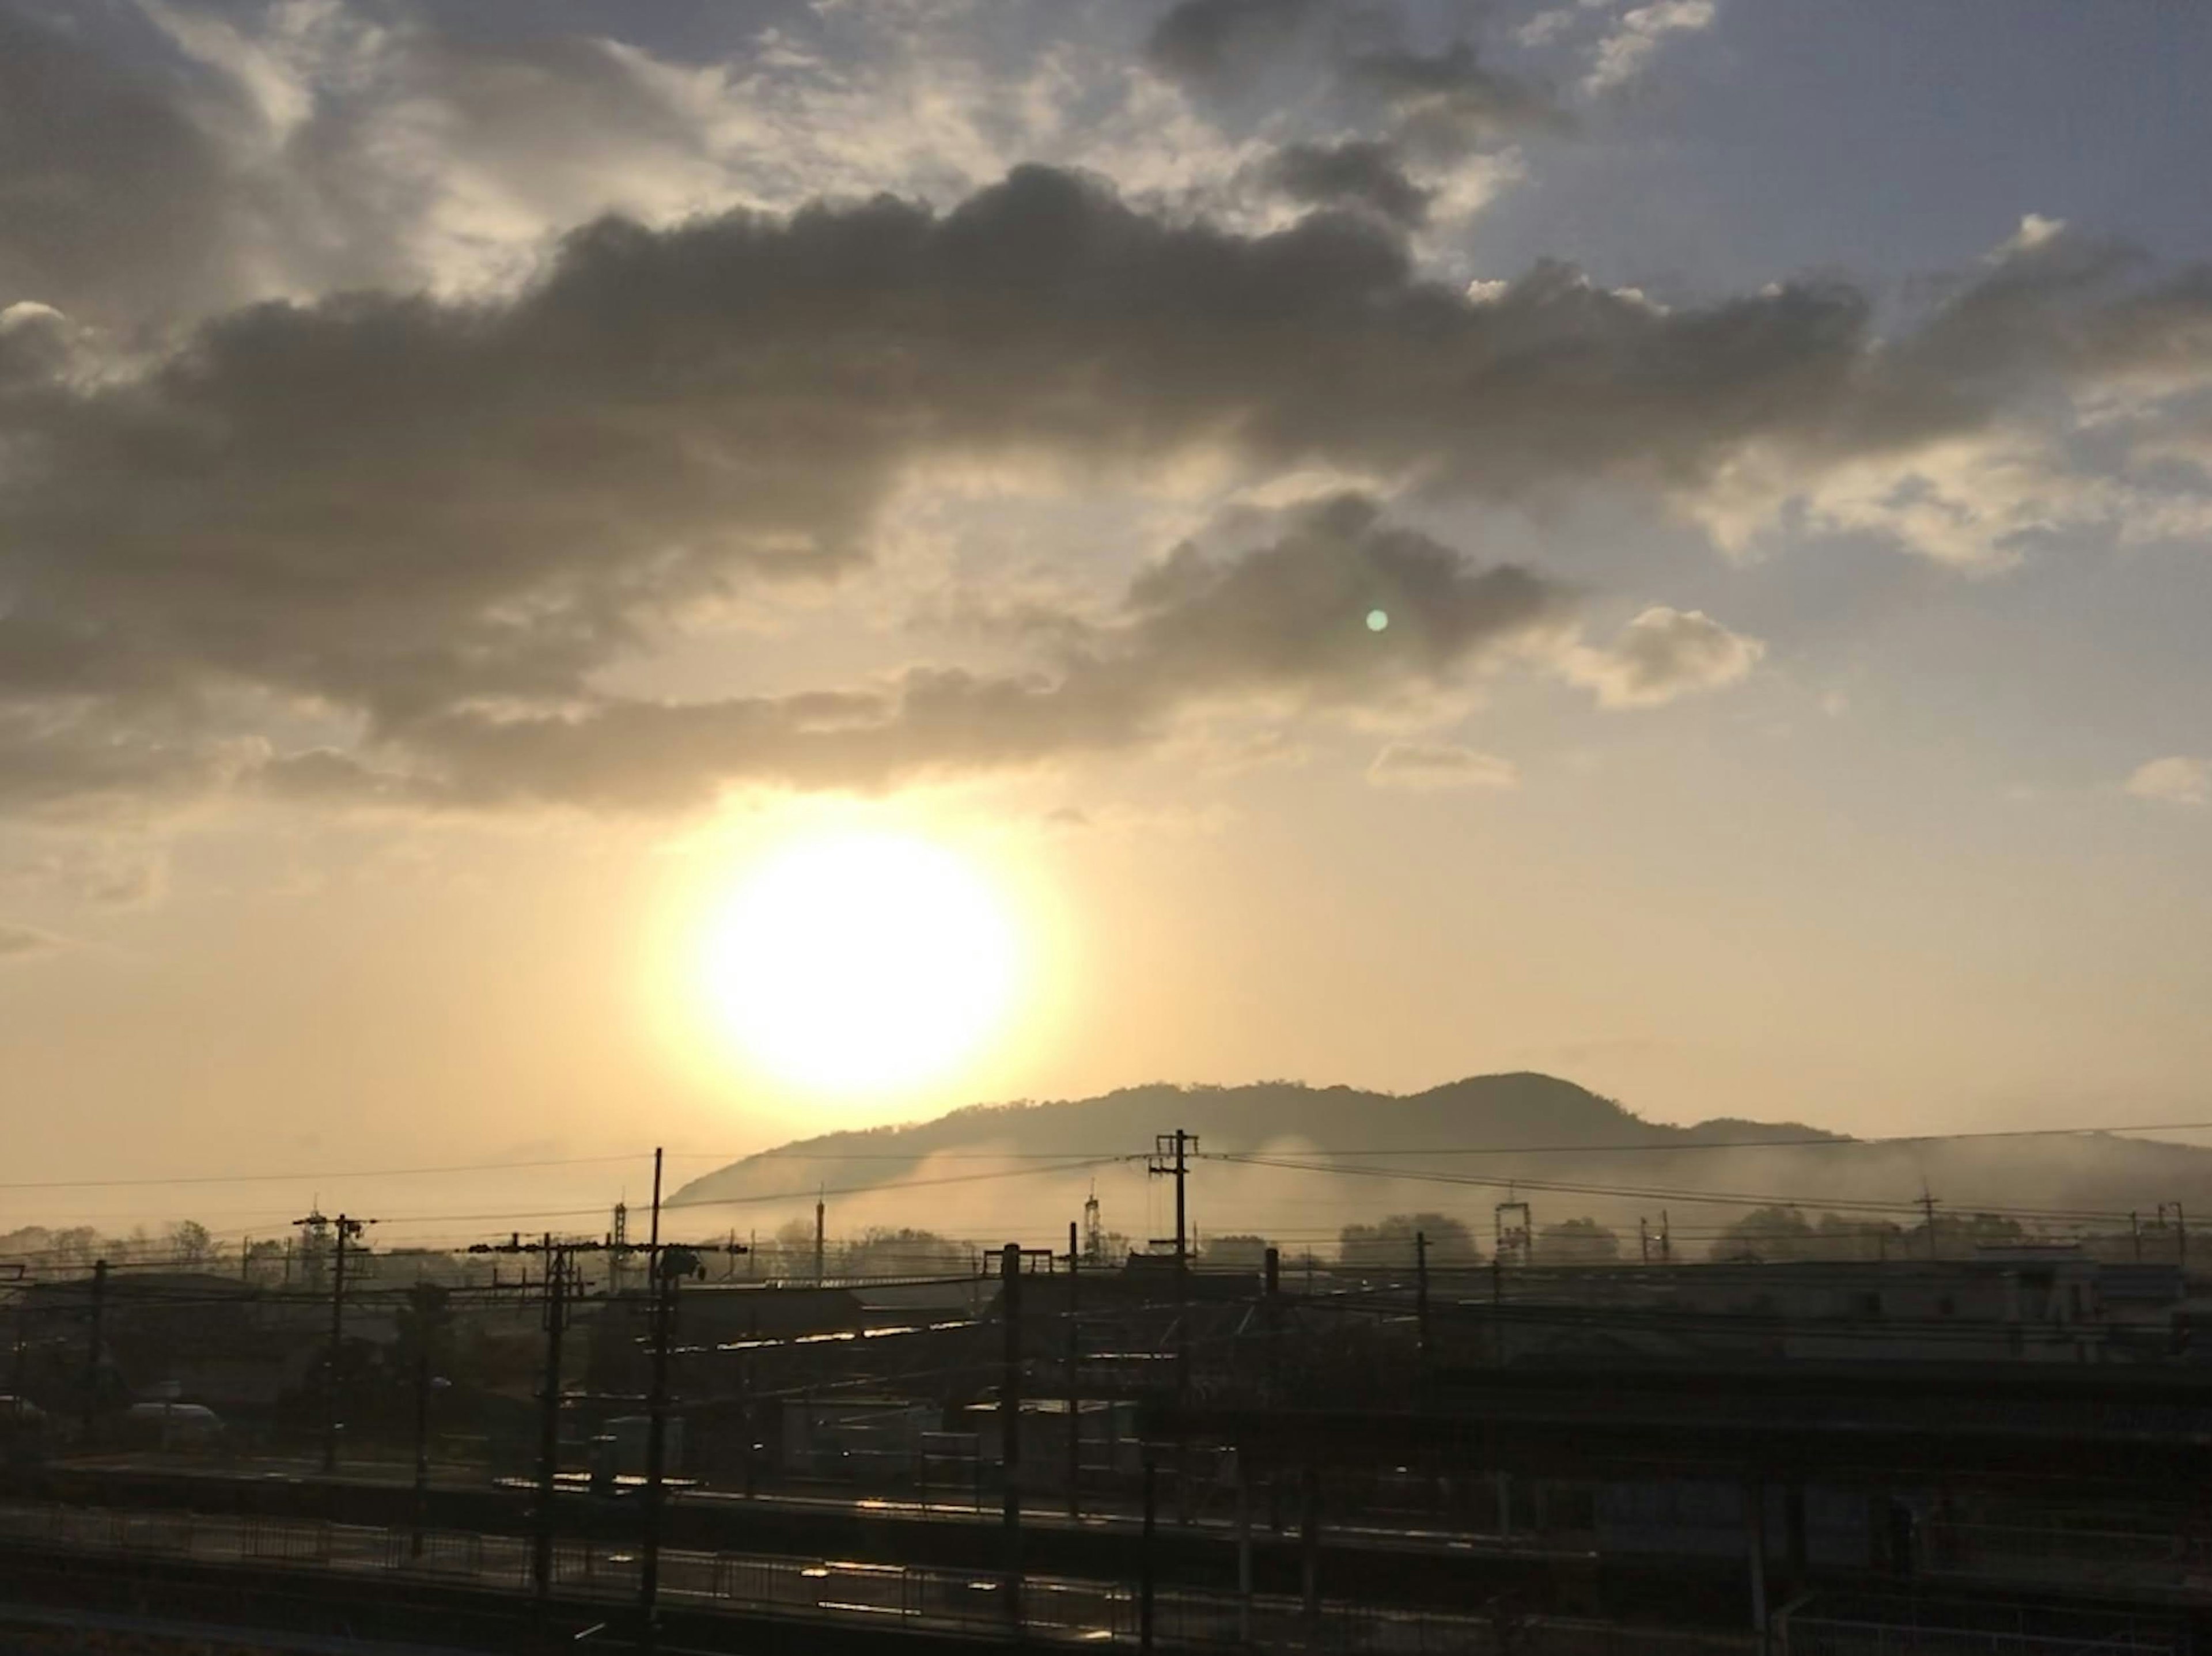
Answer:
(1914, 1629)
(977, 1603)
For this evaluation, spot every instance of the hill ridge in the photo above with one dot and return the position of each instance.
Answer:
(1512, 1109)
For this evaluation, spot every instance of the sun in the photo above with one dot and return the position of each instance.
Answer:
(861, 961)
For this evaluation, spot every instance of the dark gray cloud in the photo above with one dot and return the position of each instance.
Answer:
(1358, 173)
(1441, 104)
(1450, 99)
(1207, 44)
(392, 505)
(442, 521)
(112, 201)
(1284, 625)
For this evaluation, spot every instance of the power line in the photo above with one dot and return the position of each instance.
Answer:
(903, 1184)
(1668, 1194)
(1821, 1141)
(261, 1178)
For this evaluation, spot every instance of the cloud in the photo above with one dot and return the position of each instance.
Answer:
(1661, 654)
(428, 529)
(409, 513)
(1282, 627)
(2049, 394)
(117, 199)
(19, 942)
(1623, 53)
(2176, 780)
(1208, 43)
(1426, 766)
(1357, 173)
(106, 873)
(1323, 57)
(1450, 100)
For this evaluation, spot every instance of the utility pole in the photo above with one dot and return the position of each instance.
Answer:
(819, 1277)
(92, 1348)
(548, 1429)
(667, 1265)
(1145, 1562)
(1074, 1377)
(1171, 1159)
(1421, 1293)
(1928, 1207)
(1010, 1422)
(2180, 1232)
(663, 1277)
(346, 1228)
(1666, 1240)
(426, 1296)
(1271, 1290)
(671, 1264)
(1643, 1240)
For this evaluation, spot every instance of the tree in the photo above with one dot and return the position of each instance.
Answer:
(1957, 1235)
(1576, 1242)
(901, 1253)
(424, 1327)
(790, 1253)
(190, 1243)
(265, 1260)
(79, 1245)
(1860, 1239)
(1389, 1244)
(1775, 1233)
(1234, 1252)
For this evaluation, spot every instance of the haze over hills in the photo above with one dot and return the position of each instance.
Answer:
(1458, 1147)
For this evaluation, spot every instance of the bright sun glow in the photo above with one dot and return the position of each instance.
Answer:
(862, 960)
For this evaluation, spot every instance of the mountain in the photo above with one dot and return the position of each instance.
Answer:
(1506, 1110)
(1460, 1147)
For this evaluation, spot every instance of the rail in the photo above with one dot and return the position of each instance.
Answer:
(969, 1602)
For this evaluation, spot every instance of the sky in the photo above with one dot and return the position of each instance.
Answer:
(1665, 544)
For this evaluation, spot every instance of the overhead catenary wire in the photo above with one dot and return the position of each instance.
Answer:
(1648, 1193)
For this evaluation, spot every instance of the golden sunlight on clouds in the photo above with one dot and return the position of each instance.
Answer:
(857, 961)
